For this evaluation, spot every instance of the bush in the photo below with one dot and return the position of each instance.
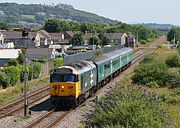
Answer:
(20, 58)
(127, 107)
(151, 72)
(13, 62)
(143, 41)
(173, 80)
(152, 84)
(160, 46)
(13, 73)
(34, 70)
(4, 80)
(173, 61)
(58, 62)
(21, 70)
(147, 59)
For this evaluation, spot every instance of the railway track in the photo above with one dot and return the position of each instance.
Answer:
(18, 105)
(52, 115)
(49, 119)
(58, 117)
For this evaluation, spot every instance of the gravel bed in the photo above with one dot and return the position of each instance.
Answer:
(19, 121)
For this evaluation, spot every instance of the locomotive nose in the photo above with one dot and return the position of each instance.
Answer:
(63, 89)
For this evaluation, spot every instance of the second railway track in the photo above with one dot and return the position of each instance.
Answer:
(18, 104)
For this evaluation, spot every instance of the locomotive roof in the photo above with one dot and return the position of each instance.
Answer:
(77, 67)
(111, 55)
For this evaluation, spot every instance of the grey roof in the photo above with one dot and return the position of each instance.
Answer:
(111, 55)
(113, 35)
(16, 34)
(12, 34)
(38, 51)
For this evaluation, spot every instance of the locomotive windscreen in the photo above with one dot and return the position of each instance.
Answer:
(63, 78)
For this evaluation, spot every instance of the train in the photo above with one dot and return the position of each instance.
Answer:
(72, 84)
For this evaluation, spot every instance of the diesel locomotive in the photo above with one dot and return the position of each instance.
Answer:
(72, 84)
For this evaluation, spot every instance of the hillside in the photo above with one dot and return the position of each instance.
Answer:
(161, 27)
(37, 14)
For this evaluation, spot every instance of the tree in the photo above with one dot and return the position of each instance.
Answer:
(4, 80)
(77, 39)
(52, 25)
(174, 32)
(94, 40)
(3, 26)
(173, 61)
(103, 39)
(13, 73)
(13, 62)
(20, 58)
(34, 70)
(178, 47)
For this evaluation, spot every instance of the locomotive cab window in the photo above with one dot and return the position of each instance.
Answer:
(64, 78)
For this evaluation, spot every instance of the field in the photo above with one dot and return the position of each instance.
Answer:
(29, 16)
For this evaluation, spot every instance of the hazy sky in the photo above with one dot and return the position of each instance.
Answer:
(129, 11)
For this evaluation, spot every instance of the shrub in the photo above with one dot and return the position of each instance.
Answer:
(34, 70)
(173, 61)
(152, 84)
(143, 41)
(13, 62)
(151, 72)
(58, 62)
(160, 46)
(20, 58)
(173, 80)
(13, 73)
(4, 80)
(147, 59)
(128, 107)
(21, 70)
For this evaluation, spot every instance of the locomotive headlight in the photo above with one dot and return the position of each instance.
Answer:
(62, 86)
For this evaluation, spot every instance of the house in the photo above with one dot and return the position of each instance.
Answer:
(86, 37)
(131, 40)
(41, 53)
(7, 54)
(16, 38)
(117, 38)
(44, 38)
(68, 35)
(56, 37)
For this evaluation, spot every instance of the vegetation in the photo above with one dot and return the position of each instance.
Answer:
(13, 93)
(13, 73)
(77, 39)
(94, 40)
(38, 13)
(13, 62)
(128, 106)
(173, 60)
(4, 26)
(57, 62)
(174, 33)
(151, 72)
(4, 80)
(34, 70)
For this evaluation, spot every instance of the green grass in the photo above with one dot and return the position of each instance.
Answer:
(29, 16)
(12, 93)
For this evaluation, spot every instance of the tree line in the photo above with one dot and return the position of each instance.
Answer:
(57, 25)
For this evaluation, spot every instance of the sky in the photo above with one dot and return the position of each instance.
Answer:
(128, 11)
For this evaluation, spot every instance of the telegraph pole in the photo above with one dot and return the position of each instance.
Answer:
(25, 35)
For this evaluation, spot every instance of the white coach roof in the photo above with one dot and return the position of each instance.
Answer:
(9, 53)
